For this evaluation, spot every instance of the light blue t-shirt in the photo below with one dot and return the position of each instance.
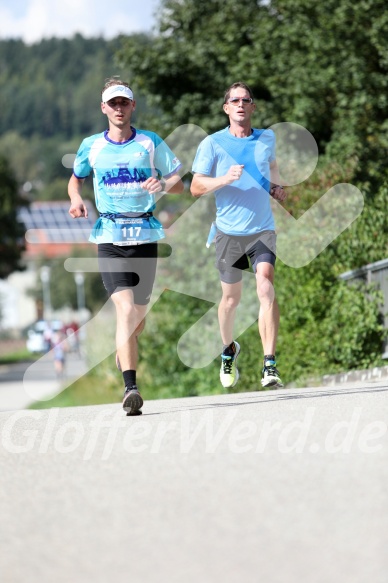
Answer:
(119, 168)
(243, 207)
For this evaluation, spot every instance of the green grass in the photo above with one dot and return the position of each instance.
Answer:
(18, 356)
(91, 389)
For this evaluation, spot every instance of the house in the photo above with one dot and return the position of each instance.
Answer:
(50, 232)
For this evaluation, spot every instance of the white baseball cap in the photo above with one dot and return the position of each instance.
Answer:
(117, 91)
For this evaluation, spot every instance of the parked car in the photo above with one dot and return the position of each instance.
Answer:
(39, 336)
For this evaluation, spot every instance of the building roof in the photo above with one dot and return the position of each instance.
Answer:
(51, 231)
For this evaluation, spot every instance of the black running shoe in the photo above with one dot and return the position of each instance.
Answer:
(132, 401)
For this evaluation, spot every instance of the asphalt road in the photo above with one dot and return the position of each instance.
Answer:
(285, 486)
(23, 383)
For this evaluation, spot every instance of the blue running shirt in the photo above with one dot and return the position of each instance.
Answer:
(119, 168)
(243, 207)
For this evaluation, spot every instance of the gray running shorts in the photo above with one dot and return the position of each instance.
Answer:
(236, 253)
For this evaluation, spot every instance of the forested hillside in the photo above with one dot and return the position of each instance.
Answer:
(49, 100)
(52, 88)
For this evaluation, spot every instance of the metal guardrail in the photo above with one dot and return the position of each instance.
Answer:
(376, 273)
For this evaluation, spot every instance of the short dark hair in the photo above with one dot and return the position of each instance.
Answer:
(115, 80)
(234, 86)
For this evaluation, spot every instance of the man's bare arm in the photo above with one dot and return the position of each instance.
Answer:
(277, 190)
(77, 208)
(174, 184)
(203, 184)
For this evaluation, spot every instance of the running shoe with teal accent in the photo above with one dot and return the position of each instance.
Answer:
(229, 371)
(270, 378)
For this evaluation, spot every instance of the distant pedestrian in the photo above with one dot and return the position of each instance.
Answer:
(72, 331)
(47, 337)
(59, 348)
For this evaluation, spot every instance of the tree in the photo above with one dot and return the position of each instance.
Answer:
(11, 232)
(321, 64)
(185, 67)
(63, 288)
(57, 80)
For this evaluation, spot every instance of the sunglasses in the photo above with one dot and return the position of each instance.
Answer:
(236, 100)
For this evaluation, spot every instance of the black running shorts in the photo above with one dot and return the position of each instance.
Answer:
(129, 266)
(236, 253)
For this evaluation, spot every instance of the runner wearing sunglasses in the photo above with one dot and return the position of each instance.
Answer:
(238, 164)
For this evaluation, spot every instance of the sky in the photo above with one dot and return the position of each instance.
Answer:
(32, 20)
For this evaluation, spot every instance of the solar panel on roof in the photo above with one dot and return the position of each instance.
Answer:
(54, 220)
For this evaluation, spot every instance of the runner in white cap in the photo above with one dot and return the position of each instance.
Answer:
(129, 167)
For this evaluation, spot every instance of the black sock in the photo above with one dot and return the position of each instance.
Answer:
(129, 378)
(229, 349)
(269, 357)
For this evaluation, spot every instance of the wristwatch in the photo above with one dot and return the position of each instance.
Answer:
(163, 183)
(275, 186)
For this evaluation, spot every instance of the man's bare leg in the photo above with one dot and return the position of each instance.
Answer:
(130, 320)
(268, 323)
(129, 324)
(269, 309)
(231, 296)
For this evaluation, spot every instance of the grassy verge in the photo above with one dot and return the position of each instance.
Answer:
(87, 390)
(20, 355)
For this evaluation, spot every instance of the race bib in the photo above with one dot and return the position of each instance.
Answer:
(136, 230)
